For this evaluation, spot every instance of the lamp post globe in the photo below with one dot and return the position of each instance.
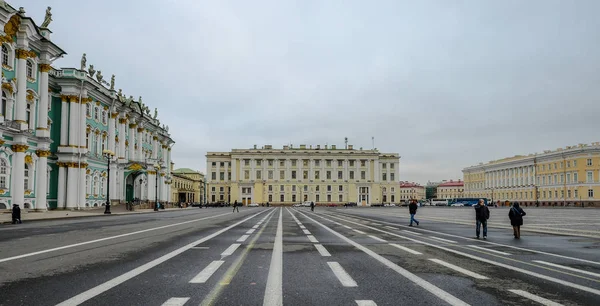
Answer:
(108, 154)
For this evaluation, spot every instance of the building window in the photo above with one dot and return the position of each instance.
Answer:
(246, 162)
(258, 175)
(351, 175)
(328, 163)
(340, 163)
(29, 69)
(391, 165)
(222, 176)
(270, 162)
(568, 193)
(270, 174)
(246, 174)
(28, 115)
(96, 113)
(363, 163)
(575, 177)
(328, 188)
(305, 188)
(104, 115)
(282, 198)
(340, 188)
(282, 163)
(363, 175)
(3, 106)
(270, 198)
(589, 161)
(590, 176)
(305, 163)
(590, 193)
(317, 162)
(383, 165)
(293, 188)
(392, 178)
(317, 188)
(214, 164)
(305, 175)
(340, 198)
(281, 188)
(575, 193)
(293, 174)
(393, 199)
(3, 173)
(293, 163)
(26, 175)
(568, 164)
(351, 163)
(317, 198)
(328, 175)
(5, 55)
(282, 174)
(384, 177)
(214, 176)
(328, 198)
(317, 175)
(340, 175)
(258, 162)
(556, 194)
(568, 177)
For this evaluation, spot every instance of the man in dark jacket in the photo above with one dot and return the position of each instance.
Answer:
(16, 214)
(515, 214)
(235, 206)
(312, 206)
(482, 214)
(412, 209)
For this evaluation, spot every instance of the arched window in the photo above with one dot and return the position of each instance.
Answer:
(26, 176)
(5, 55)
(3, 105)
(88, 110)
(104, 117)
(95, 186)
(3, 173)
(96, 113)
(28, 115)
(103, 142)
(102, 184)
(29, 70)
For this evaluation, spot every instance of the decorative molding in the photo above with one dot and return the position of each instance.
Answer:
(122, 120)
(114, 115)
(152, 172)
(2, 142)
(24, 54)
(20, 148)
(8, 87)
(28, 159)
(45, 67)
(140, 129)
(135, 167)
(132, 125)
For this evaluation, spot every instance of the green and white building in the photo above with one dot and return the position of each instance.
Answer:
(55, 124)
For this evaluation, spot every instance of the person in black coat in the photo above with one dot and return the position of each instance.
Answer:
(235, 206)
(516, 214)
(412, 209)
(482, 214)
(312, 206)
(16, 214)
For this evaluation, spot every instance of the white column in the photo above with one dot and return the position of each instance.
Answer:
(111, 132)
(60, 197)
(64, 121)
(138, 154)
(346, 170)
(113, 180)
(131, 147)
(377, 175)
(154, 147)
(252, 170)
(72, 178)
(41, 179)
(151, 184)
(42, 113)
(81, 196)
(82, 123)
(18, 174)
(73, 122)
(311, 171)
(276, 171)
(397, 170)
(20, 113)
(122, 137)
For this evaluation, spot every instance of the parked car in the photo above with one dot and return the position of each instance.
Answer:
(297, 205)
(253, 205)
(331, 205)
(351, 204)
(306, 204)
(457, 205)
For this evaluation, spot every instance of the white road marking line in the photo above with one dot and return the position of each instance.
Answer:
(176, 301)
(359, 231)
(406, 249)
(86, 295)
(376, 224)
(312, 239)
(567, 268)
(390, 227)
(107, 238)
(207, 272)
(489, 250)
(302, 226)
(534, 297)
(306, 232)
(495, 263)
(442, 239)
(243, 238)
(250, 231)
(341, 274)
(256, 226)
(230, 249)
(411, 232)
(322, 250)
(365, 303)
(458, 269)
(346, 226)
(377, 238)
(445, 296)
(274, 291)
(200, 248)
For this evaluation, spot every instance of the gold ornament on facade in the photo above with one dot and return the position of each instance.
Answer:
(6, 39)
(126, 142)
(19, 148)
(30, 97)
(8, 87)
(73, 99)
(140, 129)
(1, 142)
(114, 115)
(24, 54)
(117, 138)
(122, 120)
(97, 103)
(28, 159)
(88, 171)
(162, 174)
(2, 191)
(45, 67)
(12, 26)
(97, 132)
(27, 192)
(105, 107)
(103, 174)
(152, 172)
(132, 125)
(88, 129)
(135, 167)
(43, 153)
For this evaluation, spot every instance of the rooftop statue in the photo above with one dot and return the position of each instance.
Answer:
(22, 11)
(83, 62)
(120, 93)
(155, 113)
(91, 71)
(140, 101)
(99, 76)
(47, 19)
(112, 82)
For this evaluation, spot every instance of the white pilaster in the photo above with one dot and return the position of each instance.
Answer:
(139, 156)
(73, 121)
(377, 175)
(41, 179)
(111, 132)
(72, 177)
(42, 112)
(122, 137)
(21, 86)
(62, 180)
(131, 148)
(64, 121)
(18, 174)
(113, 180)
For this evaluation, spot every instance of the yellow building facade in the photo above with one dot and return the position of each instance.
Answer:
(411, 191)
(451, 190)
(296, 174)
(187, 186)
(565, 176)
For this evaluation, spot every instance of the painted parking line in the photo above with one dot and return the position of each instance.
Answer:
(341, 274)
(306, 232)
(359, 231)
(207, 272)
(250, 231)
(440, 293)
(256, 226)
(312, 239)
(488, 250)
(533, 297)
(274, 289)
(405, 249)
(107, 238)
(377, 238)
(346, 226)
(176, 301)
(390, 227)
(458, 269)
(230, 249)
(567, 268)
(95, 291)
(365, 303)
(411, 232)
(442, 239)
(302, 226)
(243, 238)
(322, 250)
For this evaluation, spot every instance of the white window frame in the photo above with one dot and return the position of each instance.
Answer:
(3, 104)
(589, 177)
(6, 174)
(6, 55)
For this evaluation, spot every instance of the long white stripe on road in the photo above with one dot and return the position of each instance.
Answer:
(489, 250)
(458, 269)
(176, 301)
(86, 295)
(377, 238)
(365, 303)
(567, 268)
(230, 249)
(274, 289)
(411, 232)
(442, 239)
(243, 238)
(341, 274)
(250, 231)
(306, 232)
(445, 296)
(406, 249)
(533, 297)
(359, 231)
(312, 239)
(322, 250)
(495, 263)
(256, 226)
(390, 227)
(207, 272)
(107, 238)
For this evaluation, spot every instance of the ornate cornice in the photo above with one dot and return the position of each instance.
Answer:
(140, 129)
(19, 148)
(114, 115)
(24, 54)
(122, 120)
(1, 142)
(132, 125)
(151, 172)
(43, 153)
(45, 67)
(8, 87)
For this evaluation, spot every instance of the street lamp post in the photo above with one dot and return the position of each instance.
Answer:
(157, 168)
(108, 154)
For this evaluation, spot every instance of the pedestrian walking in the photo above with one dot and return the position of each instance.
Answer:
(515, 214)
(482, 214)
(312, 206)
(235, 206)
(16, 214)
(267, 204)
(412, 209)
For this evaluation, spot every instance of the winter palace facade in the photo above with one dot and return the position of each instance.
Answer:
(55, 125)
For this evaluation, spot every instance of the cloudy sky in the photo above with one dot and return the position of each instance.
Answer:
(446, 84)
